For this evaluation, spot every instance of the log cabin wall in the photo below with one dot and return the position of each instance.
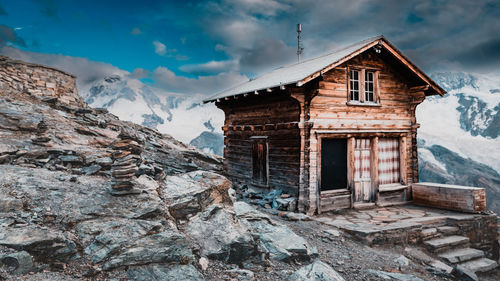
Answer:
(274, 118)
(332, 116)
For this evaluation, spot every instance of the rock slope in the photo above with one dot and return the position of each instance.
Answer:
(61, 164)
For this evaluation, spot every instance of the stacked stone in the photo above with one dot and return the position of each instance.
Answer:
(125, 166)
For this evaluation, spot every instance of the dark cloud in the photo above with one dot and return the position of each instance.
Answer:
(2, 11)
(267, 53)
(49, 8)
(484, 54)
(434, 33)
(8, 35)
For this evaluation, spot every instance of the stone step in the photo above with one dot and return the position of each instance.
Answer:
(480, 265)
(445, 243)
(429, 233)
(461, 255)
(448, 230)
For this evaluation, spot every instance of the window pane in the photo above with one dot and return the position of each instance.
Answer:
(354, 85)
(369, 94)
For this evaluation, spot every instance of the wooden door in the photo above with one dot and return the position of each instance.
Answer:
(333, 164)
(363, 189)
(259, 161)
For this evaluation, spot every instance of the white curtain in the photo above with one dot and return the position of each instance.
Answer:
(388, 160)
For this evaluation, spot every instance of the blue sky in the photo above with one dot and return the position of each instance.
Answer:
(205, 46)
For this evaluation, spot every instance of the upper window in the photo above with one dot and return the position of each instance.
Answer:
(362, 86)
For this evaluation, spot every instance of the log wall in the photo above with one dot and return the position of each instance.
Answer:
(272, 115)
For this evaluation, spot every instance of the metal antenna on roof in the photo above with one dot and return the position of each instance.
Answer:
(299, 48)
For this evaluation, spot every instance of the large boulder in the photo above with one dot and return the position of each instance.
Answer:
(120, 242)
(274, 238)
(164, 272)
(72, 201)
(43, 243)
(316, 271)
(165, 247)
(220, 235)
(190, 193)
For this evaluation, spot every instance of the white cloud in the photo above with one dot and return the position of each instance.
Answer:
(88, 72)
(160, 48)
(211, 67)
(136, 31)
(206, 85)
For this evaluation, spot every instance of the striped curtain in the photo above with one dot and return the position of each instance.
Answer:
(388, 160)
(362, 159)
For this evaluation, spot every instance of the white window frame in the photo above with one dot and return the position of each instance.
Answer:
(362, 93)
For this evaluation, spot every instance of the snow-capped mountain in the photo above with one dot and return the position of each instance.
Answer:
(466, 120)
(184, 117)
(459, 140)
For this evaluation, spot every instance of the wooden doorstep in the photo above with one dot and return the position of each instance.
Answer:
(335, 192)
(391, 187)
(364, 205)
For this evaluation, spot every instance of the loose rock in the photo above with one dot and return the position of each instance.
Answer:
(316, 271)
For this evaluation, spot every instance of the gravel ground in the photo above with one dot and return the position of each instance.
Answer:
(348, 257)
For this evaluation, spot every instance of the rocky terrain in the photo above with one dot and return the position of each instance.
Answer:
(62, 219)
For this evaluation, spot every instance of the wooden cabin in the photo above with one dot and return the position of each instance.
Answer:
(337, 131)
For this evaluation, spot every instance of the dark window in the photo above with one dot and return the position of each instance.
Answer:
(333, 164)
(369, 93)
(259, 161)
(354, 85)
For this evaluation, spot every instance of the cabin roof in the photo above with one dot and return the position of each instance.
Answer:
(303, 72)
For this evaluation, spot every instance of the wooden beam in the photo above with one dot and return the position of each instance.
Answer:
(374, 166)
(351, 146)
(402, 163)
(419, 88)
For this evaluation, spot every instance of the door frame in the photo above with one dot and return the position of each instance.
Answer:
(265, 140)
(351, 136)
(320, 157)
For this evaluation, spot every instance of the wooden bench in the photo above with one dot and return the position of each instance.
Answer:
(450, 197)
